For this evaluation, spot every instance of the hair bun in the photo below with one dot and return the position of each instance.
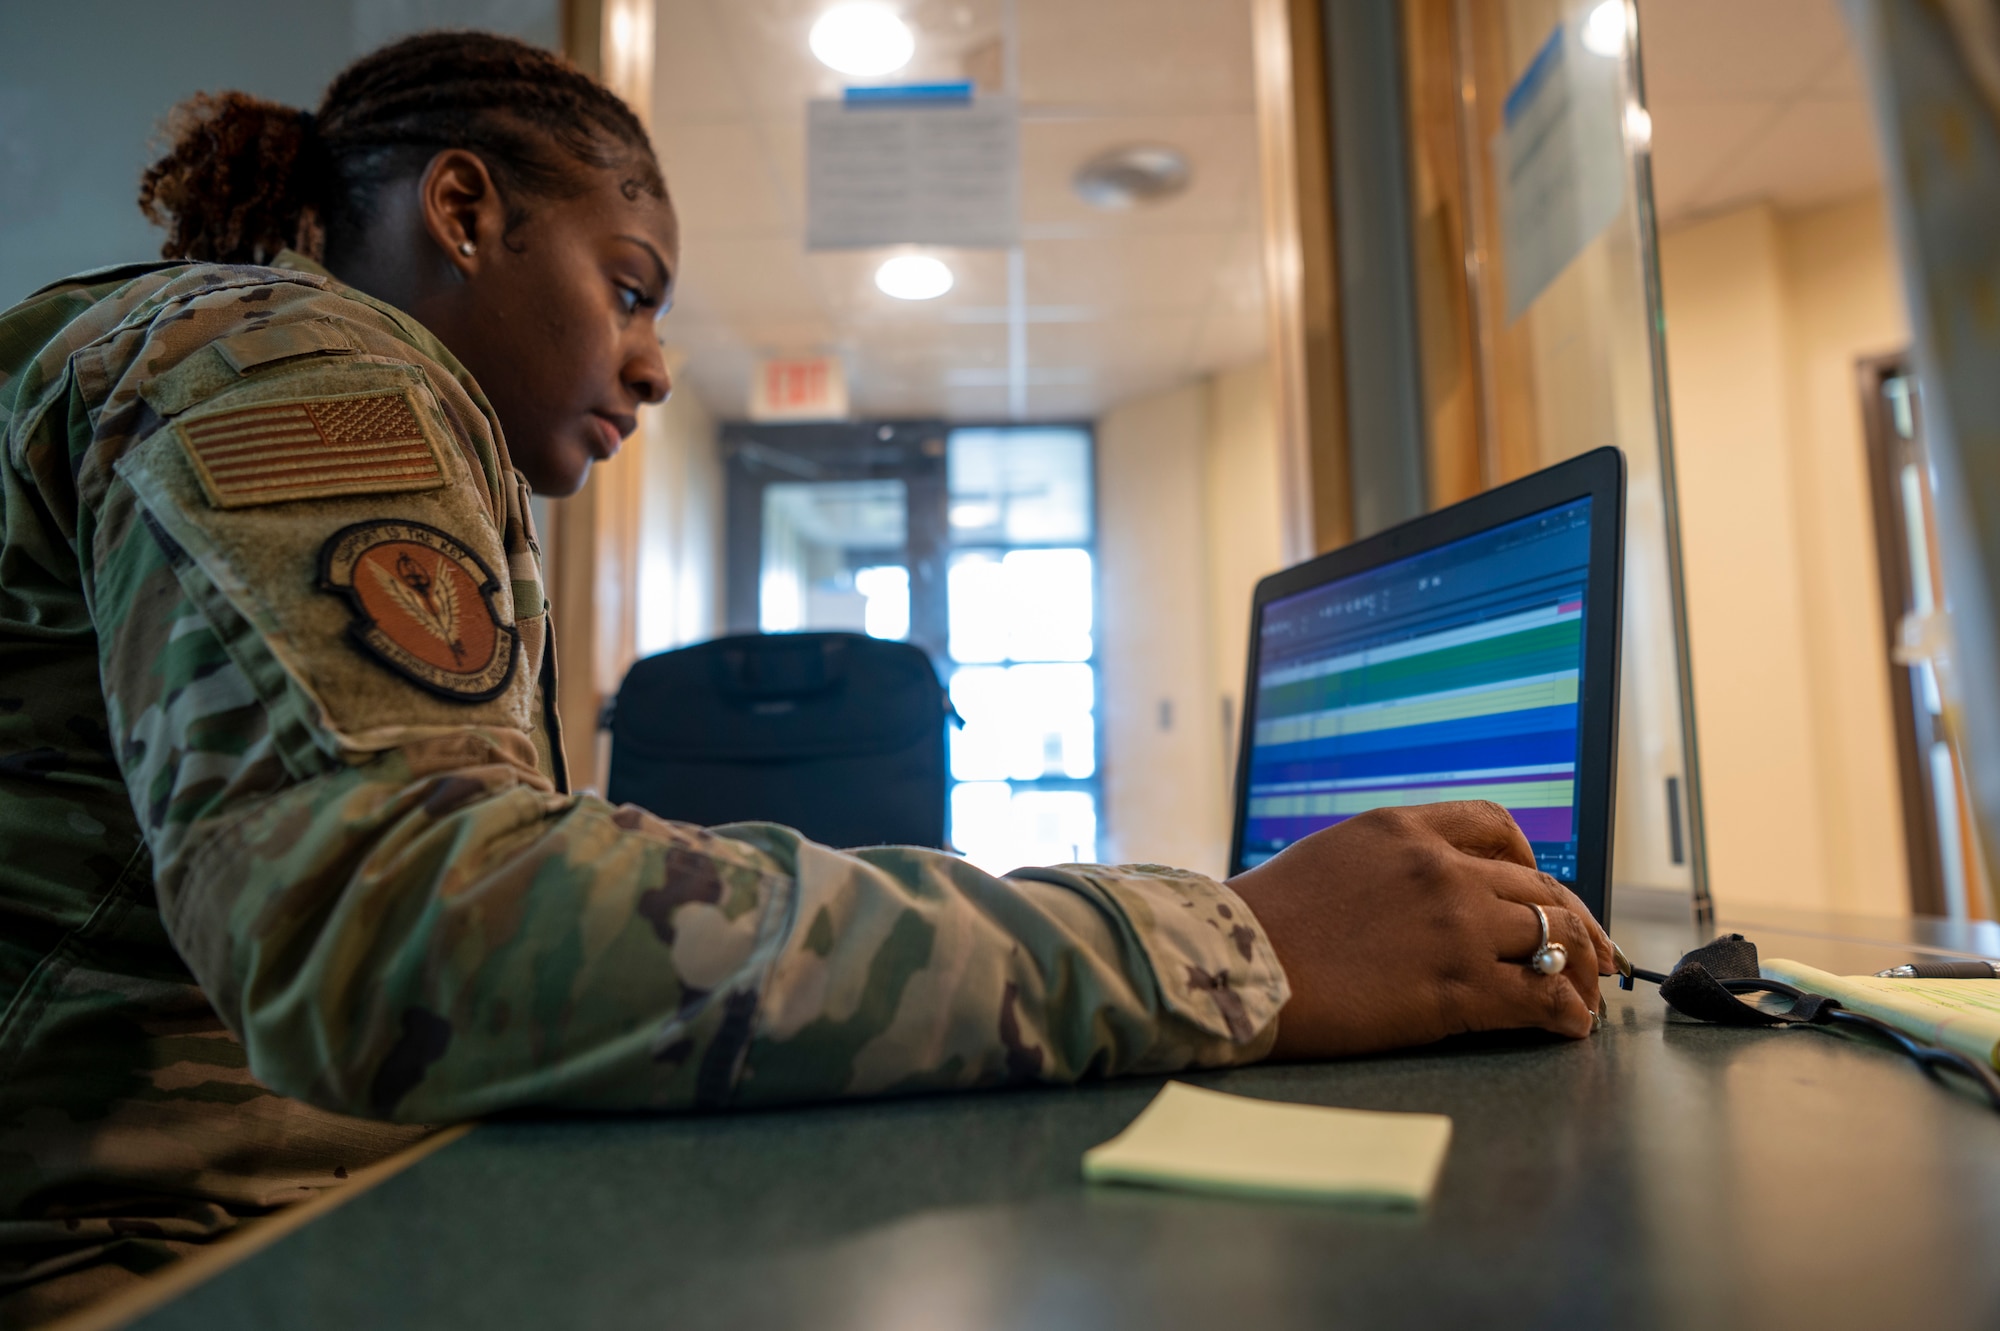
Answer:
(242, 178)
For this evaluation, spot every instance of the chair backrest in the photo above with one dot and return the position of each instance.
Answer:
(838, 735)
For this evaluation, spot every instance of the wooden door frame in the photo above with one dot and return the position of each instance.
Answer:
(1914, 735)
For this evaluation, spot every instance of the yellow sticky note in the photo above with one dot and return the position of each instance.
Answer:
(1212, 1142)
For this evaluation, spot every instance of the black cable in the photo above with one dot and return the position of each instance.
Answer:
(1930, 1057)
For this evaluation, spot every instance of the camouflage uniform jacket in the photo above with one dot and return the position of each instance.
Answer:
(287, 858)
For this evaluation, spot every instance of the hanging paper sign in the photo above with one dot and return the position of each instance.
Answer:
(1560, 161)
(912, 171)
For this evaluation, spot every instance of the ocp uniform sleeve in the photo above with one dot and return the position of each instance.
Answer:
(322, 647)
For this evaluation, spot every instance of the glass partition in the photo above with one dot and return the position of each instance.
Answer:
(1539, 307)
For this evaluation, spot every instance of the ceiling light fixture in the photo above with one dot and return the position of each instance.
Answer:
(863, 38)
(1122, 177)
(1638, 128)
(1604, 29)
(913, 277)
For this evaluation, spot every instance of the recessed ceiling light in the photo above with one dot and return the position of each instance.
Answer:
(1604, 29)
(913, 277)
(1123, 177)
(863, 38)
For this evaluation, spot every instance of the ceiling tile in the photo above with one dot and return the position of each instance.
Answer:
(1227, 339)
(723, 181)
(1065, 403)
(974, 404)
(1815, 152)
(1118, 303)
(1178, 55)
(692, 73)
(1221, 152)
(1694, 142)
(1137, 272)
(721, 384)
(1115, 345)
(733, 279)
(1707, 50)
(1841, 76)
(1238, 284)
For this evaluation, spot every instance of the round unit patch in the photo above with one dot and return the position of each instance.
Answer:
(423, 606)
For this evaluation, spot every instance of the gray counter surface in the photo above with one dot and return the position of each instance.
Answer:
(1659, 1174)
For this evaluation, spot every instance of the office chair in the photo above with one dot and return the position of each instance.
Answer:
(838, 735)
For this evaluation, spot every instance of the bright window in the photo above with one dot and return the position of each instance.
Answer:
(1021, 603)
(1024, 722)
(833, 558)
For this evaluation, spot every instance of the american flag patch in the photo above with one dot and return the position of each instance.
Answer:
(276, 452)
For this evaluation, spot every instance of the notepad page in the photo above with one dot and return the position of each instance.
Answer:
(1957, 1014)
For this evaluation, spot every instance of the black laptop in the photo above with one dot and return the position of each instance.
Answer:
(1469, 654)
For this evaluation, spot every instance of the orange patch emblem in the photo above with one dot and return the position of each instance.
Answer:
(423, 606)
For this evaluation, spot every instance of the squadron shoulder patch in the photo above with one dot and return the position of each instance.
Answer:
(423, 606)
(347, 444)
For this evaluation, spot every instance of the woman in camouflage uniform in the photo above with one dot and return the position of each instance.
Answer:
(291, 866)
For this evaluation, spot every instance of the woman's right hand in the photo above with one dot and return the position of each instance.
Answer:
(1402, 926)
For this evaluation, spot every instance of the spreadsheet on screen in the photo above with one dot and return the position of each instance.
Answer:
(1452, 674)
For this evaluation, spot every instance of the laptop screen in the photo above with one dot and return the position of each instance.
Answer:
(1451, 674)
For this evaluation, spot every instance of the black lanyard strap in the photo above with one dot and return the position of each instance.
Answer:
(1706, 984)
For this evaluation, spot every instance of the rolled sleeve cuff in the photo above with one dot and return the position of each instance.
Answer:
(1219, 984)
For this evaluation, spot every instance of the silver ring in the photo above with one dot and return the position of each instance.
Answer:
(1548, 958)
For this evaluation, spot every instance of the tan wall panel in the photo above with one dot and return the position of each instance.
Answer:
(1766, 315)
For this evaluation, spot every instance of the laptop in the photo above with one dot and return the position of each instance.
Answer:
(1471, 653)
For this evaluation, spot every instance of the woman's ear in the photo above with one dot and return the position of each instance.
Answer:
(462, 210)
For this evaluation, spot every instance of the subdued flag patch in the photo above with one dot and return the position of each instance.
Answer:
(422, 605)
(277, 452)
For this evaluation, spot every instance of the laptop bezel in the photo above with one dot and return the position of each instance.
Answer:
(1599, 476)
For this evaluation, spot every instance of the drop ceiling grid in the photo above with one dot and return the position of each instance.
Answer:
(1119, 304)
(1753, 101)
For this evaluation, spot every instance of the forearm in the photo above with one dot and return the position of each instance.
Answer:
(443, 946)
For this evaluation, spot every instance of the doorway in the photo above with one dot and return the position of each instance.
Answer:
(975, 543)
(1947, 870)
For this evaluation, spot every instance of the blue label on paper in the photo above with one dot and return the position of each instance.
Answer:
(902, 94)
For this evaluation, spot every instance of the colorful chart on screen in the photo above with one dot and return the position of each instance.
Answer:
(1453, 674)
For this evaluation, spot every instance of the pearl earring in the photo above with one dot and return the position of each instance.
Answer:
(467, 248)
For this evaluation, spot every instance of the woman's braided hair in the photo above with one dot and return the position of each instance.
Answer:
(245, 178)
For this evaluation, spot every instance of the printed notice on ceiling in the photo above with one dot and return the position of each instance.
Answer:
(1560, 161)
(939, 174)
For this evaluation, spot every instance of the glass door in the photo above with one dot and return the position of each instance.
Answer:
(837, 527)
(976, 544)
(1533, 226)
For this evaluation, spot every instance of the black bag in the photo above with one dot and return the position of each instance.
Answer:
(838, 735)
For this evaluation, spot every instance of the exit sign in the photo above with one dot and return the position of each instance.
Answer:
(809, 388)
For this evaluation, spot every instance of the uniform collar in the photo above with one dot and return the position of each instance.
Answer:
(297, 262)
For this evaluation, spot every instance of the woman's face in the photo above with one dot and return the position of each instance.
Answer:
(555, 319)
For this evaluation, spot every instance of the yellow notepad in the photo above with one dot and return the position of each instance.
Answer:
(1212, 1142)
(1955, 1014)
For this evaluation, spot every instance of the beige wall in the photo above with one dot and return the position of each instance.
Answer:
(1188, 520)
(1243, 520)
(1766, 314)
(680, 527)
